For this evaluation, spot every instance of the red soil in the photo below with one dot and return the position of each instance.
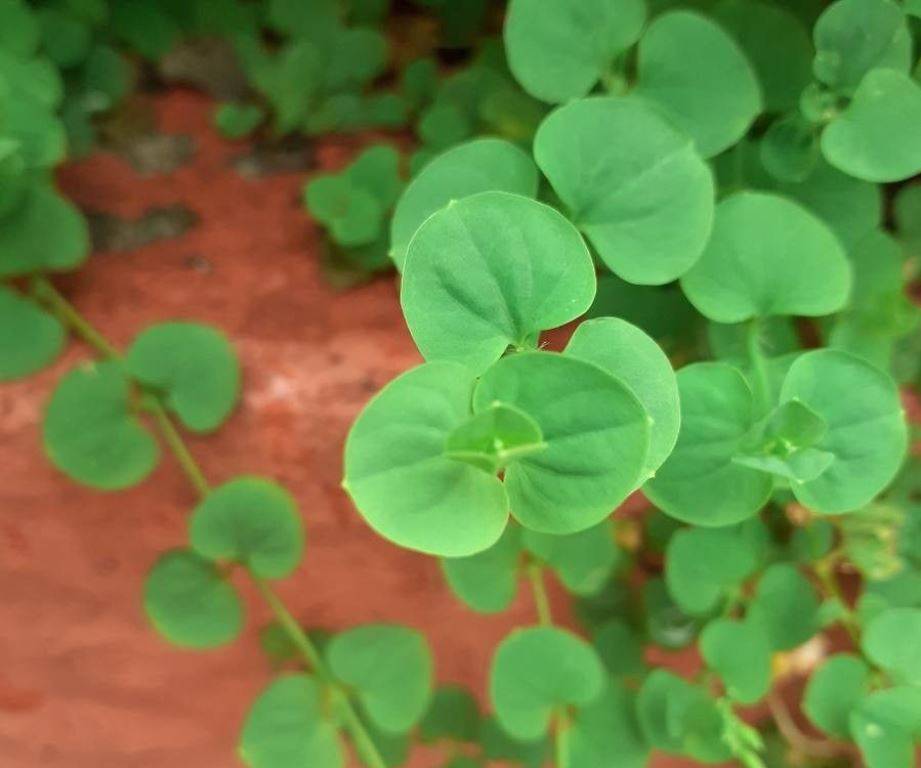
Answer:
(85, 683)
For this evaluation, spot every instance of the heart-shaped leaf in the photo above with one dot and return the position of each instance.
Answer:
(739, 652)
(481, 165)
(190, 603)
(885, 726)
(583, 561)
(606, 728)
(644, 201)
(394, 693)
(252, 521)
(488, 581)
(834, 690)
(537, 671)
(891, 642)
(785, 607)
(30, 338)
(491, 271)
(495, 437)
(193, 367)
(768, 256)
(91, 432)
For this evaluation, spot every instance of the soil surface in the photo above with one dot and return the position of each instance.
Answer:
(85, 683)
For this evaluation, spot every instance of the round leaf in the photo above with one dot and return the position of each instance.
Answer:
(193, 367)
(584, 561)
(389, 668)
(253, 521)
(190, 603)
(596, 434)
(875, 138)
(559, 49)
(608, 730)
(645, 201)
(885, 726)
(491, 271)
(287, 727)
(785, 607)
(30, 338)
(699, 482)
(697, 74)
(833, 691)
(488, 581)
(627, 353)
(482, 165)
(891, 642)
(402, 482)
(536, 671)
(768, 256)
(739, 652)
(866, 431)
(91, 432)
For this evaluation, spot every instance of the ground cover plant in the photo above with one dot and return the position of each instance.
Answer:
(716, 200)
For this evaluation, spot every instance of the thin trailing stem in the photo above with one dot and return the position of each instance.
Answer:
(759, 367)
(801, 742)
(561, 739)
(46, 292)
(541, 603)
(825, 571)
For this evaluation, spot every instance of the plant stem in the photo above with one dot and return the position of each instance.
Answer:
(805, 745)
(45, 291)
(759, 368)
(541, 603)
(561, 739)
(825, 571)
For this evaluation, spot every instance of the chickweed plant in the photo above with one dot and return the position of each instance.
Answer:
(715, 199)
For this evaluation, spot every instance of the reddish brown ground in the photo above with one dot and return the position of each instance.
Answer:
(84, 683)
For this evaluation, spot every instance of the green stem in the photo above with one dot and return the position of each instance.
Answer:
(46, 292)
(43, 290)
(541, 603)
(759, 367)
(561, 739)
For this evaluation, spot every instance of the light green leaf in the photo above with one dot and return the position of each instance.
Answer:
(538, 670)
(645, 201)
(853, 37)
(790, 148)
(584, 561)
(402, 482)
(874, 138)
(91, 432)
(30, 338)
(627, 353)
(491, 271)
(866, 428)
(190, 603)
(481, 165)
(558, 50)
(607, 732)
(890, 641)
(785, 607)
(288, 727)
(834, 690)
(493, 438)
(236, 121)
(488, 581)
(596, 432)
(377, 171)
(193, 367)
(697, 74)
(885, 726)
(253, 521)
(389, 669)
(699, 482)
(739, 652)
(768, 256)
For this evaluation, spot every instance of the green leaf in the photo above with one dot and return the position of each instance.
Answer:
(19, 30)
(644, 201)
(785, 607)
(853, 37)
(703, 565)
(499, 745)
(353, 215)
(699, 482)
(768, 256)
(595, 430)
(91, 432)
(395, 694)
(190, 603)
(866, 428)
(666, 624)
(30, 338)
(873, 138)
(491, 271)
(680, 718)
(453, 715)
(627, 353)
(620, 649)
(398, 475)
(66, 39)
(481, 165)
(559, 50)
(193, 367)
(890, 641)
(252, 521)
(790, 148)
(739, 652)
(495, 437)
(697, 74)
(377, 171)
(288, 727)
(777, 45)
(45, 232)
(538, 670)
(608, 729)
(834, 690)
(144, 26)
(885, 726)
(488, 581)
(237, 121)
(583, 561)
